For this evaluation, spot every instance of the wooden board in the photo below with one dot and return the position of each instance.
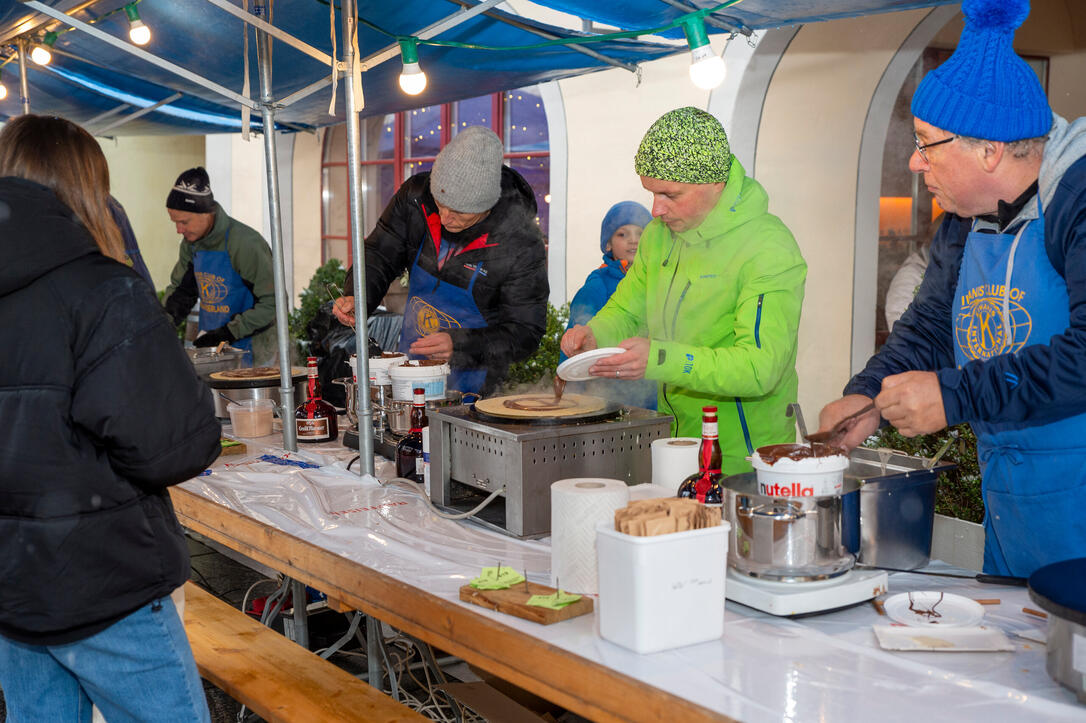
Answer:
(514, 601)
(235, 448)
(570, 404)
(278, 679)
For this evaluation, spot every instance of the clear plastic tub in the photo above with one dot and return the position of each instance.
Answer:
(251, 417)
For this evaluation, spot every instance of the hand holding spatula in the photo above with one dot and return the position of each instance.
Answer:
(841, 428)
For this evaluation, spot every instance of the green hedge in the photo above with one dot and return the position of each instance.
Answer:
(542, 364)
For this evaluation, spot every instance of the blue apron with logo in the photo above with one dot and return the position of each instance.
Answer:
(433, 306)
(223, 293)
(1034, 475)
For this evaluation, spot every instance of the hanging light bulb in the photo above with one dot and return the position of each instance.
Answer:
(138, 33)
(3, 88)
(706, 67)
(412, 79)
(40, 54)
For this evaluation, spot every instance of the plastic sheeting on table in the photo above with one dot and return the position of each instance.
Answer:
(826, 667)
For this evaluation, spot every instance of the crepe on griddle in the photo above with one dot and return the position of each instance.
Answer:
(570, 405)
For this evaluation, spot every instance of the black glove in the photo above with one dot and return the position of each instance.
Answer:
(177, 308)
(213, 337)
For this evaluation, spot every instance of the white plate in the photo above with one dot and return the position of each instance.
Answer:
(575, 369)
(947, 640)
(954, 611)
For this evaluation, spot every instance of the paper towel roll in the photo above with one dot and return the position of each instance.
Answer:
(673, 460)
(577, 506)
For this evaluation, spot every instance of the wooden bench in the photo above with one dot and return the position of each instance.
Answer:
(276, 678)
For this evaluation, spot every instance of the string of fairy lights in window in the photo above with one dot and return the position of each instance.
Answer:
(707, 69)
(40, 45)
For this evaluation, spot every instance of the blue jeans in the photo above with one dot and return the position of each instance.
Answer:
(138, 669)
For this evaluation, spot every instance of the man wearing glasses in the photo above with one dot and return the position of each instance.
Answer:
(997, 333)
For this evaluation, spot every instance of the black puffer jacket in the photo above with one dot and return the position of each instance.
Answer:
(511, 291)
(102, 412)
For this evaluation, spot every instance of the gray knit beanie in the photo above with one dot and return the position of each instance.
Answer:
(467, 173)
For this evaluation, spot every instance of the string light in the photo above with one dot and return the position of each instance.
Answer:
(706, 67)
(138, 33)
(40, 54)
(412, 79)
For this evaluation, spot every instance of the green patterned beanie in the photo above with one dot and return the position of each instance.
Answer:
(685, 145)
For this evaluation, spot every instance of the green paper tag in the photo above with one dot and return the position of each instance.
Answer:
(557, 601)
(491, 578)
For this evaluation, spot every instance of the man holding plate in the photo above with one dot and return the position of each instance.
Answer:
(710, 307)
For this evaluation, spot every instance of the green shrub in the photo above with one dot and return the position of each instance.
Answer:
(541, 365)
(958, 492)
(312, 298)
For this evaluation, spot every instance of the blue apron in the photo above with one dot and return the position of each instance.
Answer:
(1033, 474)
(223, 293)
(434, 305)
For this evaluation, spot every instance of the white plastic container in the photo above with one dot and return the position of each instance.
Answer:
(805, 477)
(251, 418)
(664, 591)
(410, 375)
(379, 366)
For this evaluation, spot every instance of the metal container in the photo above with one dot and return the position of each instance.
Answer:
(1060, 589)
(788, 539)
(207, 361)
(235, 390)
(896, 506)
(470, 458)
(399, 411)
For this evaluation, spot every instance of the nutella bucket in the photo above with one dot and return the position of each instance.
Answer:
(797, 470)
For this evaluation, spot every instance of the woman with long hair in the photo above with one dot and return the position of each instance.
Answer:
(103, 411)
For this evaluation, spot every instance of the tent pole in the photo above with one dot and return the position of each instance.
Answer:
(349, 9)
(282, 304)
(24, 86)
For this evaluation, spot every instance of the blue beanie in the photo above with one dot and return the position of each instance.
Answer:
(618, 216)
(984, 90)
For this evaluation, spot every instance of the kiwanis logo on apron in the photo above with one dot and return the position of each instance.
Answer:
(979, 329)
(428, 318)
(213, 291)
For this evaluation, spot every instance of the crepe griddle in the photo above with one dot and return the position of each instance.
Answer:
(609, 410)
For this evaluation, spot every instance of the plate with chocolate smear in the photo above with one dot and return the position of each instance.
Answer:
(929, 607)
(536, 405)
(575, 369)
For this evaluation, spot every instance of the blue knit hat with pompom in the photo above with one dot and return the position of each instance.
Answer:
(984, 90)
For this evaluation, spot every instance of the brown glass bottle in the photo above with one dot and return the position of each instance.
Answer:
(315, 419)
(704, 485)
(409, 457)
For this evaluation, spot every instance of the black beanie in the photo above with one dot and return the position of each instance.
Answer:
(192, 192)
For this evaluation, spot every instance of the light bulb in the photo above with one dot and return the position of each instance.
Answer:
(139, 33)
(707, 69)
(3, 91)
(41, 55)
(412, 79)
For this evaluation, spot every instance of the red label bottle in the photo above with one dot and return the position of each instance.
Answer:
(410, 461)
(315, 419)
(704, 485)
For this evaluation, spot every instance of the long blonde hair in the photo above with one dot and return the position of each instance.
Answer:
(59, 154)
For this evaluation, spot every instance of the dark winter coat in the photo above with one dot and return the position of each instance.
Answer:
(512, 291)
(102, 412)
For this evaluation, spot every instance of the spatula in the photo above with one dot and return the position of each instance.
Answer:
(838, 429)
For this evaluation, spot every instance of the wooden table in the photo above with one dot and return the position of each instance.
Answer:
(576, 683)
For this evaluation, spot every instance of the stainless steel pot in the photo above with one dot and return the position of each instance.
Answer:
(225, 392)
(399, 411)
(790, 539)
(1060, 589)
(207, 361)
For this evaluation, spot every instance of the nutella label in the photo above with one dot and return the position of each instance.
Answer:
(313, 428)
(798, 489)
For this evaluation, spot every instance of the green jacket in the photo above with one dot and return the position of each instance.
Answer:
(721, 306)
(251, 257)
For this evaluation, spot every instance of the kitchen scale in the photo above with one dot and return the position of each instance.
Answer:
(805, 598)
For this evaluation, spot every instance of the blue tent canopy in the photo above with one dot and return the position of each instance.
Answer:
(89, 77)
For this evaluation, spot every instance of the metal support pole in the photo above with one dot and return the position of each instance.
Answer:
(282, 303)
(354, 157)
(299, 599)
(24, 86)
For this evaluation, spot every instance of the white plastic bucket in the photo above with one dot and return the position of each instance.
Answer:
(804, 477)
(410, 375)
(379, 366)
(663, 591)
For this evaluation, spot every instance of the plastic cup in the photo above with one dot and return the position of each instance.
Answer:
(251, 417)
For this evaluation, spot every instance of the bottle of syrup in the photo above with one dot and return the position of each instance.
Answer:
(315, 419)
(410, 460)
(704, 485)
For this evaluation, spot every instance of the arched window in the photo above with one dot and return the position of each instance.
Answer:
(397, 146)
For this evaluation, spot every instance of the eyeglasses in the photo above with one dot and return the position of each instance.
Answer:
(921, 147)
